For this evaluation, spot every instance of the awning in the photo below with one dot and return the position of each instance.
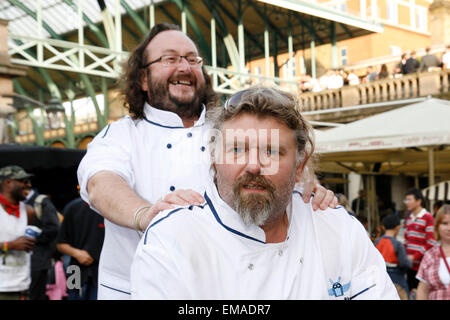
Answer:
(439, 191)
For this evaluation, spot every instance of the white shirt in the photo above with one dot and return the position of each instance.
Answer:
(209, 253)
(446, 59)
(154, 156)
(15, 273)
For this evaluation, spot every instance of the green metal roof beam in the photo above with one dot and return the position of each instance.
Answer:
(310, 29)
(168, 15)
(235, 21)
(140, 23)
(204, 47)
(38, 129)
(347, 30)
(92, 26)
(271, 25)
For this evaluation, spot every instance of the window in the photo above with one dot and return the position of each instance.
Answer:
(421, 18)
(344, 56)
(395, 50)
(258, 70)
(392, 11)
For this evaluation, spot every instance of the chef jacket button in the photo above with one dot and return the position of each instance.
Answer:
(280, 253)
(250, 266)
(189, 134)
(191, 207)
(301, 260)
(172, 188)
(169, 146)
(203, 148)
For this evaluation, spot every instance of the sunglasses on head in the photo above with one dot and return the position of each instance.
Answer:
(235, 99)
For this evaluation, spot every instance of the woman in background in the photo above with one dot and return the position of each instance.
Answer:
(434, 270)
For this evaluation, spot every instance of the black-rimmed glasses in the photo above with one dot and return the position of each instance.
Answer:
(173, 60)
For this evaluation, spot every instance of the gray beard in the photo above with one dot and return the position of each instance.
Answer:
(257, 215)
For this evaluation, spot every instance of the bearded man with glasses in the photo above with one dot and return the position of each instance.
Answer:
(154, 158)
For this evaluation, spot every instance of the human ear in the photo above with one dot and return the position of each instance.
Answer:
(144, 80)
(302, 169)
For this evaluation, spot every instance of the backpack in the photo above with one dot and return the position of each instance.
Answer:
(38, 207)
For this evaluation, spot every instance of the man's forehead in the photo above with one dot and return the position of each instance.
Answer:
(171, 40)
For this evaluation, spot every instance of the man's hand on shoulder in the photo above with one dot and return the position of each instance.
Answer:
(323, 198)
(182, 197)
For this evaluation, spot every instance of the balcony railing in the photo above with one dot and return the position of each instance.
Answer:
(406, 87)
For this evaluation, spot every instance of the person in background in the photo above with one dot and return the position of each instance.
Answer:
(394, 253)
(352, 79)
(411, 64)
(15, 247)
(429, 61)
(81, 237)
(437, 205)
(45, 247)
(343, 201)
(371, 74)
(383, 74)
(400, 67)
(358, 203)
(419, 236)
(446, 58)
(434, 270)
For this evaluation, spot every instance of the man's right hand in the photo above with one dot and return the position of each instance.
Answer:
(83, 257)
(182, 197)
(22, 244)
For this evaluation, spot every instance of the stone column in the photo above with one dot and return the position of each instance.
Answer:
(7, 72)
(439, 13)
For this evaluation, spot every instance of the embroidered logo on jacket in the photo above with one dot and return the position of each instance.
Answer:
(337, 289)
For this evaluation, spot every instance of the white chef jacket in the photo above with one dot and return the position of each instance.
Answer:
(155, 156)
(207, 252)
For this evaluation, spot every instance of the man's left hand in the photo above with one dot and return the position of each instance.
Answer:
(323, 198)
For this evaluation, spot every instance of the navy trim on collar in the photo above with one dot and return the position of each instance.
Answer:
(107, 129)
(168, 215)
(111, 288)
(214, 212)
(169, 127)
(160, 125)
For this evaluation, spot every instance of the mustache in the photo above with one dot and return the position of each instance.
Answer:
(251, 178)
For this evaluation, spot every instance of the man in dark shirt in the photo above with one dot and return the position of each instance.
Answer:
(81, 237)
(429, 61)
(45, 248)
(412, 65)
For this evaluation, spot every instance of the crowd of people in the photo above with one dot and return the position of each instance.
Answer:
(249, 222)
(408, 64)
(414, 276)
(38, 243)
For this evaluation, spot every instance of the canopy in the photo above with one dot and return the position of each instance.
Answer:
(440, 191)
(406, 140)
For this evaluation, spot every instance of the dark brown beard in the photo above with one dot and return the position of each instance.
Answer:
(160, 98)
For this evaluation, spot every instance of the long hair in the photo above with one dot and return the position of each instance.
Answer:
(134, 97)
